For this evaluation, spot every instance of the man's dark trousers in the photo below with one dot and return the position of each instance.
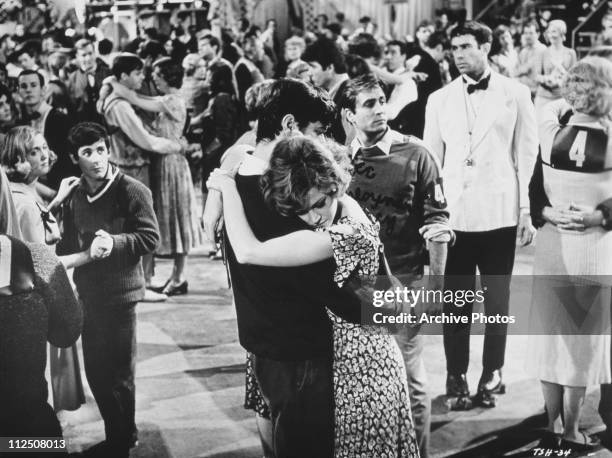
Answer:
(300, 395)
(493, 253)
(109, 350)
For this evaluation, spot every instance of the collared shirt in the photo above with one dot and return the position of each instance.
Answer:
(384, 144)
(475, 99)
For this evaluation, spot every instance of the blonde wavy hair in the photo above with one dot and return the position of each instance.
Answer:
(588, 86)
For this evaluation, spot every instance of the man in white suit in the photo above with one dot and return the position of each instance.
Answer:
(483, 128)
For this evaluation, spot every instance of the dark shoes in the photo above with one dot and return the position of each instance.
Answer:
(169, 289)
(490, 384)
(176, 290)
(457, 387)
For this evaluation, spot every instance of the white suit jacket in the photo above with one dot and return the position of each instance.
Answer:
(503, 150)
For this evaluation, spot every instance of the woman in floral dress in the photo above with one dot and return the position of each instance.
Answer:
(372, 407)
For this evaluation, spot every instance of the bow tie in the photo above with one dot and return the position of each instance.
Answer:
(483, 84)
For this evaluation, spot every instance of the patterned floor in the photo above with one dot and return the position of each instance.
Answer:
(190, 383)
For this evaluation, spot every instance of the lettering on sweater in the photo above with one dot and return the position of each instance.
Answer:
(374, 201)
(362, 168)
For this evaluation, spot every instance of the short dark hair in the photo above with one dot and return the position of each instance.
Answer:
(297, 165)
(86, 133)
(126, 63)
(82, 43)
(151, 32)
(366, 82)
(221, 79)
(334, 28)
(365, 45)
(212, 40)
(500, 30)
(531, 23)
(479, 31)
(356, 66)
(403, 47)
(325, 52)
(153, 49)
(171, 71)
(437, 38)
(31, 72)
(290, 96)
(105, 46)
(424, 23)
(252, 34)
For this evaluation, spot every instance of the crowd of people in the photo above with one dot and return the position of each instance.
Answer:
(308, 168)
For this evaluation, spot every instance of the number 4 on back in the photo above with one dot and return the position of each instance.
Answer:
(577, 151)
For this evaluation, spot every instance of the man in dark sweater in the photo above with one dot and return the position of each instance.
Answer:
(398, 180)
(112, 214)
(281, 311)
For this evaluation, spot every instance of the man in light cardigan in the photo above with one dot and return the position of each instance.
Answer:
(482, 126)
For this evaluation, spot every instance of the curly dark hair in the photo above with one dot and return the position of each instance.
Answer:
(171, 71)
(297, 165)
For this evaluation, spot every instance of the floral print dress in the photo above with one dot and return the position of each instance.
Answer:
(372, 412)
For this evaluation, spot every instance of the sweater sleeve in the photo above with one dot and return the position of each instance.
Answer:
(143, 231)
(65, 312)
(430, 190)
(122, 114)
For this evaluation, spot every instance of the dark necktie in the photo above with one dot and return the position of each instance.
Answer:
(482, 85)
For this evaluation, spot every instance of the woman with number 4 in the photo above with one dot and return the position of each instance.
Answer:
(570, 315)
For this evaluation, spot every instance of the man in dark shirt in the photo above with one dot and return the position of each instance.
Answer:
(398, 180)
(111, 214)
(281, 311)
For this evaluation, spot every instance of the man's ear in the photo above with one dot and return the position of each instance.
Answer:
(486, 47)
(350, 116)
(289, 124)
(74, 159)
